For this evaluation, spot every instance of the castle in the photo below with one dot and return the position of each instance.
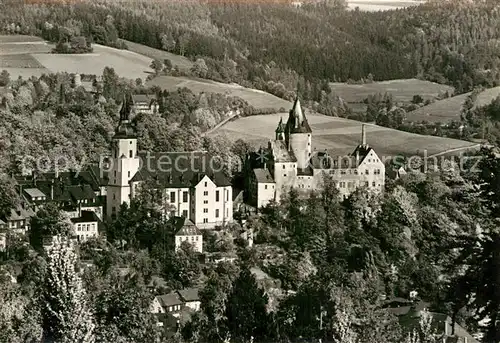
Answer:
(289, 161)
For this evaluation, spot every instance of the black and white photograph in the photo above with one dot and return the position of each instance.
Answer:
(249, 171)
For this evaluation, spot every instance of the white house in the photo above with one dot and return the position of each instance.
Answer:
(186, 231)
(86, 225)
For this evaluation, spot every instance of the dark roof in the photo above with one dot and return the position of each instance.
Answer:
(185, 227)
(181, 169)
(263, 176)
(297, 121)
(144, 98)
(169, 299)
(126, 129)
(86, 217)
(19, 213)
(189, 294)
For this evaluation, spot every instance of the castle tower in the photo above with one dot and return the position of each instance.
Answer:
(298, 135)
(280, 131)
(124, 162)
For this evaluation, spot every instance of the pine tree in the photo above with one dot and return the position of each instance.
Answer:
(65, 311)
(246, 308)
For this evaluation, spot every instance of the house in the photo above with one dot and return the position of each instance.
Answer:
(166, 303)
(190, 298)
(191, 184)
(409, 313)
(86, 225)
(186, 231)
(289, 161)
(144, 103)
(18, 219)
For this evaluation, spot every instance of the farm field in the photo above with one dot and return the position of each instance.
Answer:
(449, 109)
(254, 97)
(381, 5)
(340, 136)
(402, 90)
(152, 53)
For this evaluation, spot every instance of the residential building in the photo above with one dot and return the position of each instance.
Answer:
(166, 303)
(144, 103)
(86, 225)
(186, 231)
(191, 184)
(190, 298)
(290, 161)
(73, 191)
(18, 220)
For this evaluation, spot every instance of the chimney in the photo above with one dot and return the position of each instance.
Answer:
(363, 135)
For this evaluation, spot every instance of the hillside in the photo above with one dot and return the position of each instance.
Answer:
(177, 60)
(402, 90)
(340, 136)
(447, 110)
(254, 97)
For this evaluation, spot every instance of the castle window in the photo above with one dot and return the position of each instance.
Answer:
(184, 196)
(184, 213)
(283, 166)
(205, 202)
(205, 220)
(217, 213)
(367, 171)
(284, 175)
(373, 184)
(265, 187)
(342, 172)
(114, 173)
(205, 210)
(130, 153)
(205, 193)
(172, 196)
(355, 172)
(206, 183)
(129, 174)
(130, 142)
(367, 184)
(216, 195)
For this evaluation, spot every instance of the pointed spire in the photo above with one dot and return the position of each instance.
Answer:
(126, 107)
(297, 112)
(281, 127)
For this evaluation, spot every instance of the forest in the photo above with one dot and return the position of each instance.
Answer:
(254, 44)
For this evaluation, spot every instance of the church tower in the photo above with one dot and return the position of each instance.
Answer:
(124, 162)
(298, 135)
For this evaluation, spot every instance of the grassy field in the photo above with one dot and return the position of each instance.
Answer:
(402, 90)
(152, 53)
(381, 5)
(256, 98)
(19, 61)
(340, 136)
(449, 109)
(19, 39)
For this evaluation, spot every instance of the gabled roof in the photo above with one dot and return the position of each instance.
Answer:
(281, 154)
(185, 227)
(34, 193)
(263, 175)
(323, 160)
(189, 294)
(19, 213)
(170, 299)
(181, 169)
(143, 98)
